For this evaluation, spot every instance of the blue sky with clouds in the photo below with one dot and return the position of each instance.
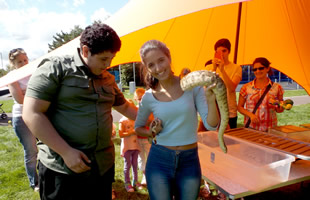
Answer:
(31, 24)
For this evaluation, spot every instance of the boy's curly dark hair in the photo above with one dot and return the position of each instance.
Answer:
(100, 37)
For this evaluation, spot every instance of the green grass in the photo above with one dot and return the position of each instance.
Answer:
(13, 179)
(118, 185)
(14, 183)
(289, 93)
(7, 105)
(296, 116)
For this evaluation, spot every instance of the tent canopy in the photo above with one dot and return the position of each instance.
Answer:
(278, 30)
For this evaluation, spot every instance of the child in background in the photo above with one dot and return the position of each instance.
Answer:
(184, 72)
(113, 137)
(142, 141)
(113, 131)
(129, 151)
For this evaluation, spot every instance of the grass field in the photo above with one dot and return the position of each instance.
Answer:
(13, 180)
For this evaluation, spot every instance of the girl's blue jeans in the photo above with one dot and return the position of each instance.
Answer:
(173, 173)
(30, 149)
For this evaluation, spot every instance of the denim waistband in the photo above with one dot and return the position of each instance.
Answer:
(162, 148)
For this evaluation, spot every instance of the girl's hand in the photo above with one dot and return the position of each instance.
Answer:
(210, 94)
(155, 127)
(273, 101)
(254, 118)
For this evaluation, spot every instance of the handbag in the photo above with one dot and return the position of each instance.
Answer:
(258, 103)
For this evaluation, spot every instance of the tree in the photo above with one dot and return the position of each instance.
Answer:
(63, 38)
(3, 72)
(97, 21)
(127, 74)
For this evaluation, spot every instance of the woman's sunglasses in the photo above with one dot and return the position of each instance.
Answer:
(15, 50)
(258, 68)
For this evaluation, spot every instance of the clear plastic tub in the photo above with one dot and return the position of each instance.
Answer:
(252, 166)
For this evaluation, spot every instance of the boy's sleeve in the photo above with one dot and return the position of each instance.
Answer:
(45, 81)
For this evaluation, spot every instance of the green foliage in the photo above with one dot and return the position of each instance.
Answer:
(13, 179)
(286, 117)
(3, 72)
(14, 183)
(127, 74)
(289, 93)
(296, 116)
(63, 38)
(7, 105)
(99, 21)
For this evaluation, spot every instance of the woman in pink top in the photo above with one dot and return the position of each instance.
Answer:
(18, 58)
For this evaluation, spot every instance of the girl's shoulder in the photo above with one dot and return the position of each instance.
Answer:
(148, 91)
(148, 95)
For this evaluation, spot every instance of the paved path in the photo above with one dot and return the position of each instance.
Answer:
(299, 100)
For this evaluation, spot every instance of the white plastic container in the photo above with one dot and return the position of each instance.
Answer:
(250, 165)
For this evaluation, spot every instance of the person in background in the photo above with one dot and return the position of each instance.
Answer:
(114, 127)
(230, 73)
(129, 151)
(142, 141)
(173, 167)
(266, 115)
(113, 131)
(184, 72)
(18, 58)
(71, 98)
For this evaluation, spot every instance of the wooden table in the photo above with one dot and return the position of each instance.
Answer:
(291, 131)
(300, 171)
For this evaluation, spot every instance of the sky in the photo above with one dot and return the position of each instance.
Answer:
(31, 24)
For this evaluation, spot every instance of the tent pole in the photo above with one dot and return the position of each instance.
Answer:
(237, 32)
(134, 72)
(120, 74)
